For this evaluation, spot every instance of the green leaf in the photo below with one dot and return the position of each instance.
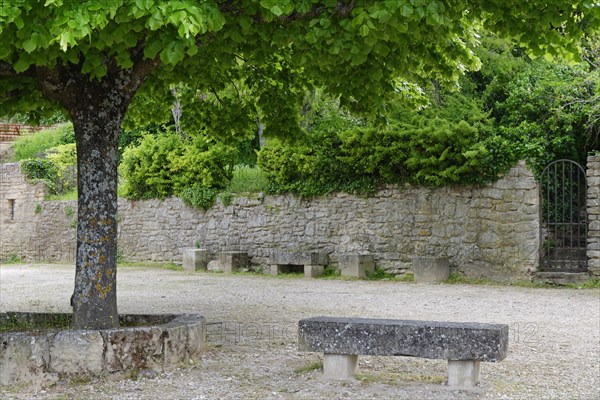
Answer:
(276, 10)
(152, 48)
(66, 38)
(29, 45)
(406, 10)
(364, 30)
(19, 22)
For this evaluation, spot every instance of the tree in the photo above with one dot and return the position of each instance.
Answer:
(91, 57)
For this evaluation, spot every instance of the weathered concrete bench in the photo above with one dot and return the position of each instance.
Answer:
(464, 345)
(313, 263)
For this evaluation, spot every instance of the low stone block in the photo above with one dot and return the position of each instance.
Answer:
(76, 352)
(356, 265)
(298, 258)
(133, 348)
(196, 259)
(233, 260)
(384, 337)
(339, 366)
(313, 271)
(23, 358)
(431, 269)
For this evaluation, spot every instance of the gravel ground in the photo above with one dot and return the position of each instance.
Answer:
(554, 350)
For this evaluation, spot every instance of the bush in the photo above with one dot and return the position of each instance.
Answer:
(435, 147)
(165, 165)
(64, 160)
(198, 196)
(38, 170)
(146, 168)
(58, 170)
(33, 145)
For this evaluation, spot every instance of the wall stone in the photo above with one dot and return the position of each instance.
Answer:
(593, 211)
(489, 231)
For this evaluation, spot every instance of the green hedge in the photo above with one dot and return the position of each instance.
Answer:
(165, 165)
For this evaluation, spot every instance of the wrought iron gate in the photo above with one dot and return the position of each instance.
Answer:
(563, 228)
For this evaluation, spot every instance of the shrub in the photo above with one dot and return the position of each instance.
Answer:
(146, 168)
(64, 160)
(198, 196)
(33, 145)
(42, 170)
(165, 165)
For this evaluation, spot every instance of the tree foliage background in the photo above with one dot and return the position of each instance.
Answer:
(93, 58)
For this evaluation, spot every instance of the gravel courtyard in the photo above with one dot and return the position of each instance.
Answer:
(554, 350)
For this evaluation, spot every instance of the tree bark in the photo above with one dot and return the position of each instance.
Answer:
(94, 298)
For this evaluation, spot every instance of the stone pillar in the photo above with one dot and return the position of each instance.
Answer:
(593, 211)
(463, 373)
(339, 366)
(196, 259)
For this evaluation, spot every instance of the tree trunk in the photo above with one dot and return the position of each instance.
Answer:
(94, 299)
(97, 108)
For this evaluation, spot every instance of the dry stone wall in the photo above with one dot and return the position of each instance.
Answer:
(489, 231)
(593, 207)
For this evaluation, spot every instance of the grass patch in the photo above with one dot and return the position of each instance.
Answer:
(51, 322)
(71, 195)
(171, 266)
(13, 259)
(589, 284)
(380, 274)
(456, 278)
(312, 366)
(330, 273)
(247, 179)
(12, 322)
(31, 145)
(290, 275)
(407, 278)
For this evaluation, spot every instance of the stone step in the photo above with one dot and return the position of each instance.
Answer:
(561, 278)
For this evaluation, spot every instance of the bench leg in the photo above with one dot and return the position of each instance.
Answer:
(463, 373)
(274, 269)
(312, 271)
(339, 366)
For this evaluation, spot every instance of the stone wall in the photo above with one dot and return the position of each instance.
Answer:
(593, 210)
(489, 231)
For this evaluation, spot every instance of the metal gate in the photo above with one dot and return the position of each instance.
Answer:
(563, 228)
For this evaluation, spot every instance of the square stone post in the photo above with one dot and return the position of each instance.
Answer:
(463, 373)
(339, 366)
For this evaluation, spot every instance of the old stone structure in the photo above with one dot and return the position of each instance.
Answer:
(489, 231)
(593, 207)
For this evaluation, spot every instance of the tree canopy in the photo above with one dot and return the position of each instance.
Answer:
(92, 57)
(358, 49)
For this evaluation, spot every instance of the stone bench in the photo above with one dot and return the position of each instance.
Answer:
(464, 345)
(313, 263)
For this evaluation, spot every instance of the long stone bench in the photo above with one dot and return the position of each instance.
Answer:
(313, 263)
(464, 345)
